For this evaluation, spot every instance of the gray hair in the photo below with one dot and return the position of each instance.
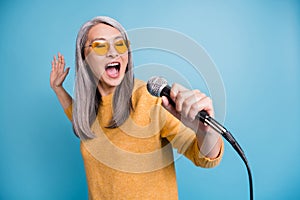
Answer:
(86, 95)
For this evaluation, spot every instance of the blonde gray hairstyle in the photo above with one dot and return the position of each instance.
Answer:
(86, 94)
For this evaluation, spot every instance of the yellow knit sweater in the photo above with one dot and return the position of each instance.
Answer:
(135, 160)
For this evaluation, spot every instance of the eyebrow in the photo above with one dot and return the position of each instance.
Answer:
(117, 37)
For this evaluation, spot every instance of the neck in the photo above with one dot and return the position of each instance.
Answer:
(105, 89)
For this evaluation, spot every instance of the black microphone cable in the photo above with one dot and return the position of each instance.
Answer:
(205, 118)
(158, 86)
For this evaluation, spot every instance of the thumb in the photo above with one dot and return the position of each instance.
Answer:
(67, 70)
(165, 101)
(169, 107)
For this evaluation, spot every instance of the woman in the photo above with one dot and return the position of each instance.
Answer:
(126, 134)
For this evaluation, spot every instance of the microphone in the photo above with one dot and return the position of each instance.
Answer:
(158, 86)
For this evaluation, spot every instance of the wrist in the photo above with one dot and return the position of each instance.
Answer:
(210, 147)
(57, 88)
(208, 142)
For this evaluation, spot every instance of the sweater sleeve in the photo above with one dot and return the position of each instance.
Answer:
(184, 140)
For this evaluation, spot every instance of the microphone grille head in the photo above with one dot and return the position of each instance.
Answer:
(155, 85)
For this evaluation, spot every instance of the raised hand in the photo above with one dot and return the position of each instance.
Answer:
(58, 73)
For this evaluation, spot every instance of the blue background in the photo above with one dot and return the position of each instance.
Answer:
(254, 44)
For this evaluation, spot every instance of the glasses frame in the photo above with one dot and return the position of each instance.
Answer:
(110, 43)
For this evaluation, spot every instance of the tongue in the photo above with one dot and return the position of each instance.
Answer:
(112, 72)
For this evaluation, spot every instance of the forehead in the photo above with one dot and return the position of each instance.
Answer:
(103, 31)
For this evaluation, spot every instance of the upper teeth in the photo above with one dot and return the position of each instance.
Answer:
(112, 64)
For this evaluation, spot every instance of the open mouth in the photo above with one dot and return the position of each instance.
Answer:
(112, 69)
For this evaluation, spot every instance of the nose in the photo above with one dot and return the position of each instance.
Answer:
(112, 52)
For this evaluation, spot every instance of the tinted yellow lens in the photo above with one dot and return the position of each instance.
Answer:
(120, 46)
(100, 47)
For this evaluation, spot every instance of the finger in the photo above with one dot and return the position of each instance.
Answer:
(60, 64)
(190, 103)
(203, 104)
(165, 101)
(55, 62)
(175, 89)
(54, 58)
(63, 61)
(181, 98)
(52, 64)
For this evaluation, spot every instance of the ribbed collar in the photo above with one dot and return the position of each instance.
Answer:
(107, 100)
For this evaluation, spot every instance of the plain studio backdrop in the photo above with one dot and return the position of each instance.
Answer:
(255, 46)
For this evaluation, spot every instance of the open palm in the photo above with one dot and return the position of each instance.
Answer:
(58, 73)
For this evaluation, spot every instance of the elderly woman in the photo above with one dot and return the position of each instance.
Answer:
(126, 134)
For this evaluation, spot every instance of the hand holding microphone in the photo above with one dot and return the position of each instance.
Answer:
(185, 105)
(192, 105)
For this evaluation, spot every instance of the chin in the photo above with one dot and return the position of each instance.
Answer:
(114, 82)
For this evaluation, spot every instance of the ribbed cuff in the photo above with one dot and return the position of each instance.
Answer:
(207, 162)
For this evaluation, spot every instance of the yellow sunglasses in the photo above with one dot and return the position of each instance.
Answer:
(101, 47)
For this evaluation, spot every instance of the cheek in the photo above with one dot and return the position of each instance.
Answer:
(124, 61)
(96, 64)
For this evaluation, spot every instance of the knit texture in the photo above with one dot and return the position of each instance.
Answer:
(135, 160)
